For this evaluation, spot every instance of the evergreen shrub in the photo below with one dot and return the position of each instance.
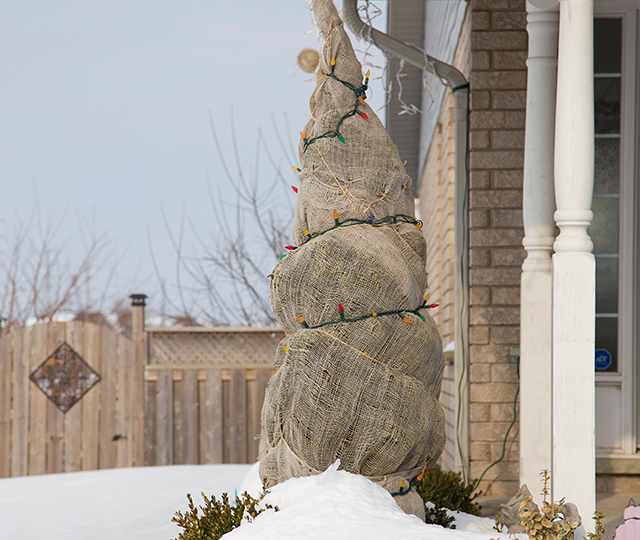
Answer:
(218, 517)
(446, 489)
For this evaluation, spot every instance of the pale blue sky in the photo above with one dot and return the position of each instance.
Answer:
(105, 110)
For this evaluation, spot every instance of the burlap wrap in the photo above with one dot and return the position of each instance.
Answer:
(365, 392)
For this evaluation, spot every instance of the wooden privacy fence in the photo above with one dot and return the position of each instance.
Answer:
(205, 389)
(78, 396)
(43, 370)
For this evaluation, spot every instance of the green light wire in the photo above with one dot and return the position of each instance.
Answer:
(359, 92)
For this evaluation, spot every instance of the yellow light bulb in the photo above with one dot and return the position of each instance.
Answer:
(368, 74)
(333, 61)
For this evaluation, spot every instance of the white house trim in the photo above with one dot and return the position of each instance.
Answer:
(573, 432)
(539, 228)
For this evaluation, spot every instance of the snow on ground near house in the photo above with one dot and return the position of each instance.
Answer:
(138, 504)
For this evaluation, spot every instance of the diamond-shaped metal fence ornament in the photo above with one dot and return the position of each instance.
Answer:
(64, 377)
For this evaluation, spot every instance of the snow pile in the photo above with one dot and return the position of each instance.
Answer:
(138, 504)
(340, 505)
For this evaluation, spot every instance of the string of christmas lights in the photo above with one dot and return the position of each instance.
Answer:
(388, 220)
(361, 95)
(404, 488)
(402, 313)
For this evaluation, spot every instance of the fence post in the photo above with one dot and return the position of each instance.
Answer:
(138, 361)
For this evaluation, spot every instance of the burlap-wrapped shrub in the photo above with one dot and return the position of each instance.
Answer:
(359, 371)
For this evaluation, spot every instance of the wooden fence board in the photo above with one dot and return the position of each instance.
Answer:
(20, 421)
(73, 417)
(253, 420)
(91, 400)
(38, 404)
(178, 438)
(109, 364)
(238, 416)
(124, 438)
(55, 417)
(6, 380)
(190, 416)
(214, 419)
(151, 413)
(164, 419)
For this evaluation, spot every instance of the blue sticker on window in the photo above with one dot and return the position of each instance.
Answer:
(603, 359)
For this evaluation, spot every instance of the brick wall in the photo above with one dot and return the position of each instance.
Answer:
(491, 52)
(496, 138)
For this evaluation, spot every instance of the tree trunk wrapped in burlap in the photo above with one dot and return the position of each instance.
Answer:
(359, 371)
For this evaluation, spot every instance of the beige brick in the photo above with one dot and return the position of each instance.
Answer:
(481, 20)
(498, 80)
(503, 470)
(496, 159)
(493, 393)
(514, 40)
(507, 138)
(508, 99)
(481, 60)
(497, 119)
(506, 179)
(506, 295)
(488, 431)
(479, 335)
(508, 335)
(512, 448)
(480, 412)
(509, 60)
(489, 354)
(480, 451)
(494, 315)
(499, 198)
(489, 275)
(499, 488)
(508, 20)
(495, 237)
(507, 218)
(508, 256)
(480, 99)
(506, 373)
(479, 139)
(479, 257)
(480, 179)
(481, 5)
(503, 412)
(481, 373)
(480, 296)
(479, 218)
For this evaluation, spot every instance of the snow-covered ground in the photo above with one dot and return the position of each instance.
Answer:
(138, 504)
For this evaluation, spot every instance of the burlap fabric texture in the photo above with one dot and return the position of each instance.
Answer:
(365, 392)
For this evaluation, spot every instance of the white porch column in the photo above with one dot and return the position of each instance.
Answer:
(573, 474)
(538, 206)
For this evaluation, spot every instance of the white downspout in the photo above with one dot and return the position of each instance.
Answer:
(460, 88)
